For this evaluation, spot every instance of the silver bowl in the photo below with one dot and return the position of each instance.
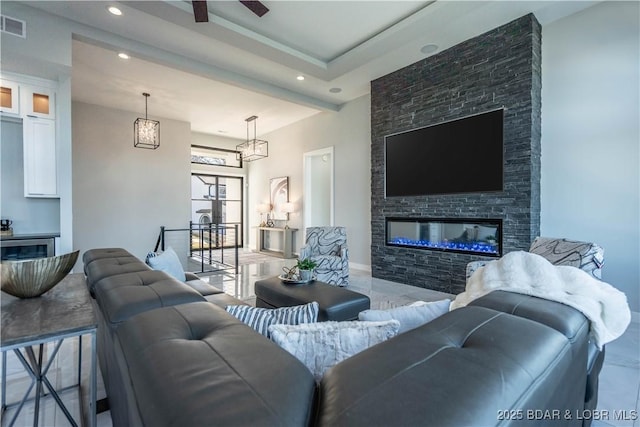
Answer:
(32, 278)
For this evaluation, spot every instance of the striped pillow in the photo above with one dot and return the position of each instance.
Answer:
(261, 318)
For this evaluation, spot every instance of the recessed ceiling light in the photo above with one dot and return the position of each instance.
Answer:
(429, 48)
(123, 55)
(300, 77)
(335, 90)
(114, 10)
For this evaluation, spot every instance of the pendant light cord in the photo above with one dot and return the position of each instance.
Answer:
(146, 98)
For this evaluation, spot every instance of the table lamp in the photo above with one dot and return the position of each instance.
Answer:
(288, 208)
(263, 208)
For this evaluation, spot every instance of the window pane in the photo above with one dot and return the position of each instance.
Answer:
(214, 156)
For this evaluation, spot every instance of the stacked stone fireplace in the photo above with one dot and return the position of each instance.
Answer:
(498, 69)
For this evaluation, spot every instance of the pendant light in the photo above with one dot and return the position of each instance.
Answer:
(146, 133)
(252, 149)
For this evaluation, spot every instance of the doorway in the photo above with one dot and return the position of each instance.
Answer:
(216, 207)
(318, 187)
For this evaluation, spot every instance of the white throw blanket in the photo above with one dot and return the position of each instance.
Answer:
(530, 274)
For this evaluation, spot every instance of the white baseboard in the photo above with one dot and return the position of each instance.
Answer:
(357, 266)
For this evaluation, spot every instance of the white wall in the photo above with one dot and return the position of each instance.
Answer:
(216, 141)
(46, 53)
(121, 194)
(349, 132)
(590, 136)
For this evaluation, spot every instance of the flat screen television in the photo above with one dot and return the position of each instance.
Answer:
(460, 156)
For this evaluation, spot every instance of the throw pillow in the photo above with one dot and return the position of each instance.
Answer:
(321, 345)
(168, 262)
(261, 318)
(410, 316)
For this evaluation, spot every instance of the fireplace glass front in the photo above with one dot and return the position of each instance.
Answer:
(472, 236)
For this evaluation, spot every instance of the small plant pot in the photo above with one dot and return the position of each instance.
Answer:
(306, 274)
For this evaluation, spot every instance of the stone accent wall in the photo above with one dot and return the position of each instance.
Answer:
(498, 69)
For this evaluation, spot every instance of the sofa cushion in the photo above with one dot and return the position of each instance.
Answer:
(223, 300)
(410, 316)
(460, 369)
(196, 365)
(123, 296)
(168, 262)
(203, 287)
(261, 318)
(105, 267)
(564, 319)
(136, 278)
(99, 253)
(321, 345)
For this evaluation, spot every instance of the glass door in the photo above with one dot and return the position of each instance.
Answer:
(216, 207)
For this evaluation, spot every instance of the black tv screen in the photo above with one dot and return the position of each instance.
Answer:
(460, 156)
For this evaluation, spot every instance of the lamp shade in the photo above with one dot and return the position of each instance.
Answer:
(264, 208)
(288, 207)
(146, 133)
(253, 150)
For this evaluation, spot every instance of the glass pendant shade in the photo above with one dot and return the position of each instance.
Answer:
(146, 133)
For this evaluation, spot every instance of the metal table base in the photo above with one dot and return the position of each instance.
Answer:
(38, 368)
(28, 325)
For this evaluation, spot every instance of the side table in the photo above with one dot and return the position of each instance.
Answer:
(66, 311)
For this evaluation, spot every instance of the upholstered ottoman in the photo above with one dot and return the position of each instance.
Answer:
(335, 303)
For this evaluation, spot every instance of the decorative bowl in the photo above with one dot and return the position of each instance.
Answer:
(32, 278)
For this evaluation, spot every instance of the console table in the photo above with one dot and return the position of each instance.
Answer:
(287, 239)
(66, 311)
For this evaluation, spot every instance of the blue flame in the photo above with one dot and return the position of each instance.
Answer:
(474, 246)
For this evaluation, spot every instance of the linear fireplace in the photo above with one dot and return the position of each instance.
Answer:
(469, 236)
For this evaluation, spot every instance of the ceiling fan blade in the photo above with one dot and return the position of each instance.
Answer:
(256, 7)
(200, 10)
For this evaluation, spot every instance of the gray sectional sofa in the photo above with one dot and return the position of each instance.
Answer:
(170, 355)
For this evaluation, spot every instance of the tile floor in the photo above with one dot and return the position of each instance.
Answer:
(619, 379)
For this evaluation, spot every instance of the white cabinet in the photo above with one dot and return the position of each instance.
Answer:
(33, 100)
(40, 159)
(9, 97)
(21, 99)
(39, 102)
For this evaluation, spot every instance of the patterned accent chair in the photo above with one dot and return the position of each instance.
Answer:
(327, 246)
(583, 255)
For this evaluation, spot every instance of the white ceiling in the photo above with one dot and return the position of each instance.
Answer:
(216, 74)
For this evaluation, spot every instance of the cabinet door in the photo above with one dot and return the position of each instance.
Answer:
(9, 98)
(40, 170)
(40, 102)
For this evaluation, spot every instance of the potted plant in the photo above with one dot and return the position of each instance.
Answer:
(306, 266)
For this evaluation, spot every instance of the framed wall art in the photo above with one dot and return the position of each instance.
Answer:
(279, 191)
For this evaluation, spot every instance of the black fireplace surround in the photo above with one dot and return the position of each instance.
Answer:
(500, 69)
(469, 236)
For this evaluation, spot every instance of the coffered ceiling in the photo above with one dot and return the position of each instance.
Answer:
(216, 74)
